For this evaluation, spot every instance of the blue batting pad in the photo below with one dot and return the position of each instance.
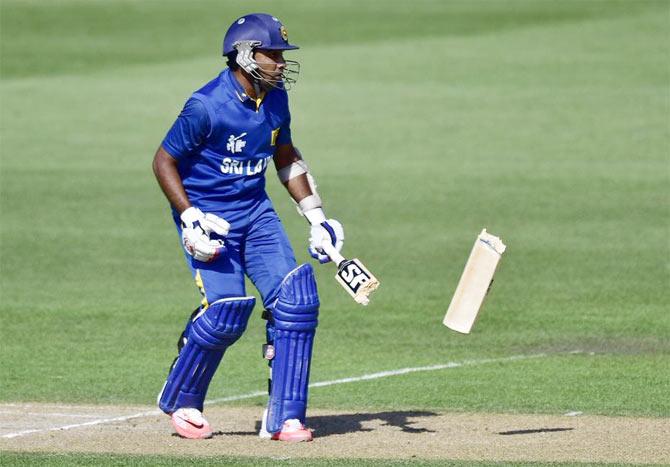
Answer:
(295, 319)
(207, 337)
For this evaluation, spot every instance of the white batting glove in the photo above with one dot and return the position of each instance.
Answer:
(195, 234)
(329, 230)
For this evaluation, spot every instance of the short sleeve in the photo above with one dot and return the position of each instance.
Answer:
(285, 131)
(189, 131)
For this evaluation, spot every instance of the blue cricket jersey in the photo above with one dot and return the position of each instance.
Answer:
(223, 142)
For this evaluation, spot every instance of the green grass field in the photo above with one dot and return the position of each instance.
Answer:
(546, 122)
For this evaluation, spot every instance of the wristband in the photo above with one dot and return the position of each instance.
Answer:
(308, 203)
(315, 216)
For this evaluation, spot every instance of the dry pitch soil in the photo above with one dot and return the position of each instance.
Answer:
(399, 435)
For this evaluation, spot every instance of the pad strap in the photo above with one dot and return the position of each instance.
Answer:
(208, 336)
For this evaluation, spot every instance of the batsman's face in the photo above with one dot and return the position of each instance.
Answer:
(271, 64)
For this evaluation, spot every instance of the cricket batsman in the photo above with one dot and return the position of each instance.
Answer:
(211, 167)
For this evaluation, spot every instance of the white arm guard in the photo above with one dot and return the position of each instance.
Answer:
(291, 171)
(310, 206)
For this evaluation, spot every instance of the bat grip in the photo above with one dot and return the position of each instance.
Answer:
(335, 255)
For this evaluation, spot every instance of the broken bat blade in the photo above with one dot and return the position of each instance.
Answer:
(353, 276)
(475, 283)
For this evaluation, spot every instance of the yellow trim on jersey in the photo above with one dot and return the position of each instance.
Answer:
(259, 100)
(201, 287)
(273, 137)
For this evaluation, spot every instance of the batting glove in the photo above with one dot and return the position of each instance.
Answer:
(195, 234)
(327, 231)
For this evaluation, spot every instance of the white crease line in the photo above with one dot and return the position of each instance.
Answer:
(404, 371)
(48, 414)
(77, 425)
(251, 395)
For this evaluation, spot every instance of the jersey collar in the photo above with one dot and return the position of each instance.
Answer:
(239, 92)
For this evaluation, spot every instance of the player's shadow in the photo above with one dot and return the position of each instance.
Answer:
(327, 425)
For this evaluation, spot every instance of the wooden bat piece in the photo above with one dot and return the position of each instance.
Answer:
(475, 282)
(352, 275)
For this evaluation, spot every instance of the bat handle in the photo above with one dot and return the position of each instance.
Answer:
(335, 255)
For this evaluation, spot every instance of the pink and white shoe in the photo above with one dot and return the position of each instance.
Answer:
(190, 423)
(293, 431)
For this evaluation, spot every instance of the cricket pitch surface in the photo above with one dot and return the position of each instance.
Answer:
(377, 434)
